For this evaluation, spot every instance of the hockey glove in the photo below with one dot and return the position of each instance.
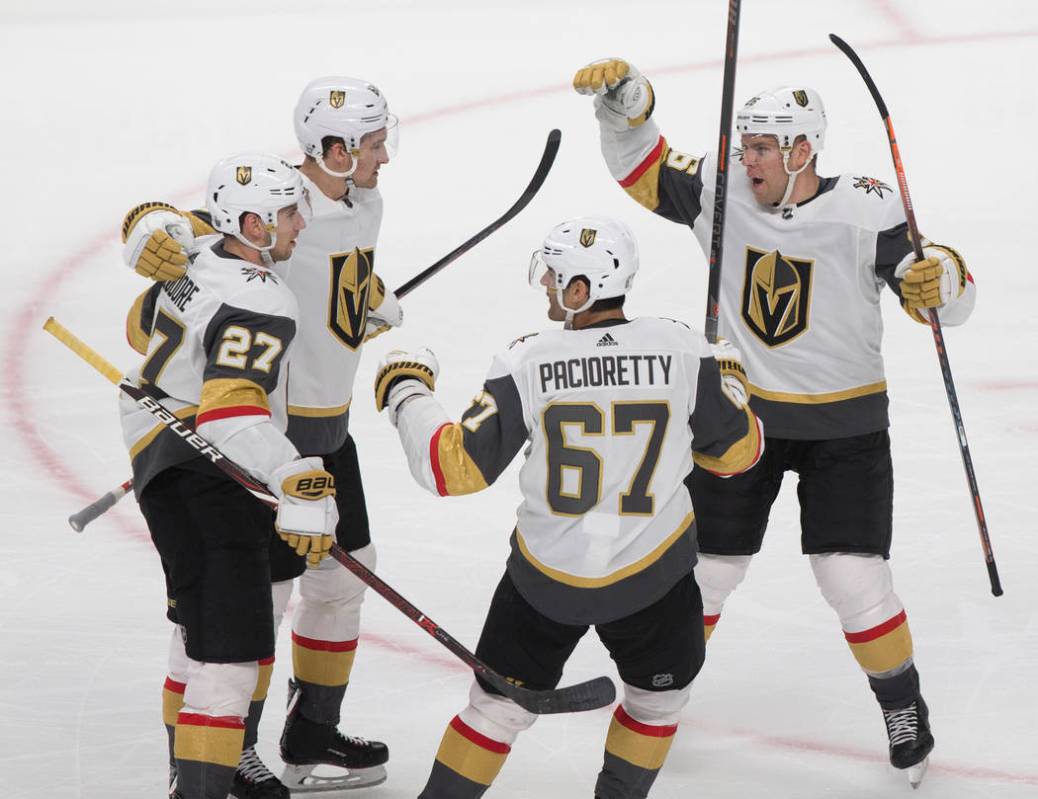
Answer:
(733, 377)
(156, 237)
(307, 514)
(384, 310)
(403, 376)
(624, 98)
(931, 283)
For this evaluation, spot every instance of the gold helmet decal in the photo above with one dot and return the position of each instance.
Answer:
(776, 297)
(243, 175)
(337, 98)
(351, 274)
(801, 97)
(587, 236)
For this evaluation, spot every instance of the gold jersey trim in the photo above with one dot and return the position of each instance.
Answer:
(137, 337)
(225, 392)
(819, 399)
(601, 582)
(318, 413)
(740, 456)
(144, 441)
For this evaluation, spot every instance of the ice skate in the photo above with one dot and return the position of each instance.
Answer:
(253, 780)
(320, 758)
(908, 729)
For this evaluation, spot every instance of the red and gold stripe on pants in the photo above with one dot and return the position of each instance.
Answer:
(320, 662)
(643, 745)
(209, 739)
(172, 701)
(471, 754)
(883, 647)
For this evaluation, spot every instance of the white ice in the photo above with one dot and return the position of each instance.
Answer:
(110, 103)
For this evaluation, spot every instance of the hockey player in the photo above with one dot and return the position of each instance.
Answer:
(806, 258)
(347, 133)
(613, 412)
(218, 358)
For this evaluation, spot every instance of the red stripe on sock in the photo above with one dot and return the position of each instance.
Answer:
(434, 458)
(202, 720)
(876, 632)
(479, 739)
(650, 730)
(643, 167)
(266, 661)
(322, 646)
(174, 686)
(710, 620)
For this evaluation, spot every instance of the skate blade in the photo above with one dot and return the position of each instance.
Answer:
(917, 772)
(303, 780)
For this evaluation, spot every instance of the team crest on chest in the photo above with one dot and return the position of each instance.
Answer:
(243, 175)
(776, 295)
(587, 236)
(351, 274)
(872, 186)
(336, 98)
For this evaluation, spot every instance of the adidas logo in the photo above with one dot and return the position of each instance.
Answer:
(607, 341)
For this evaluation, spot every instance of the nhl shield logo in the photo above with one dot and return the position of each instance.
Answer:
(587, 236)
(351, 274)
(801, 97)
(337, 98)
(776, 296)
(243, 175)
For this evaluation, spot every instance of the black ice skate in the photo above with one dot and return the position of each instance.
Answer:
(253, 780)
(320, 758)
(908, 729)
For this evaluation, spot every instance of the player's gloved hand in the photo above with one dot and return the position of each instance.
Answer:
(733, 377)
(623, 97)
(403, 376)
(932, 282)
(156, 238)
(307, 514)
(384, 310)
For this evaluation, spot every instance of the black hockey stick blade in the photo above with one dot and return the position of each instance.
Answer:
(860, 66)
(589, 695)
(551, 149)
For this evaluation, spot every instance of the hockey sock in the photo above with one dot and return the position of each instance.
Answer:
(207, 749)
(466, 763)
(322, 670)
(172, 701)
(266, 668)
(883, 648)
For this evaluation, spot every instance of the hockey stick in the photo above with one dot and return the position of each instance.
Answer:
(589, 695)
(551, 148)
(713, 289)
(77, 521)
(935, 322)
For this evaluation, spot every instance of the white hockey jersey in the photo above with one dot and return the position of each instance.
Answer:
(800, 288)
(217, 341)
(613, 415)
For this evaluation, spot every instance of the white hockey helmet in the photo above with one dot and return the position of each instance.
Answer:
(346, 108)
(600, 249)
(253, 183)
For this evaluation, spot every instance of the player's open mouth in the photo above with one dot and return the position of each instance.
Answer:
(757, 181)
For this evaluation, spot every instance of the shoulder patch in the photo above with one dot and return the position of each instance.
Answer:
(871, 186)
(257, 272)
(521, 339)
(677, 322)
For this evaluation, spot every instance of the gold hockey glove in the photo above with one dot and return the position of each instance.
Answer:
(307, 515)
(931, 283)
(623, 97)
(402, 375)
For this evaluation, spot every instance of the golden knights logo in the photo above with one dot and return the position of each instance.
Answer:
(801, 97)
(776, 295)
(871, 186)
(587, 236)
(337, 98)
(243, 175)
(351, 274)
(253, 272)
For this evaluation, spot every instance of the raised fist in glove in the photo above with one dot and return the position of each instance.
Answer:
(733, 377)
(931, 283)
(623, 97)
(307, 514)
(384, 310)
(403, 376)
(156, 238)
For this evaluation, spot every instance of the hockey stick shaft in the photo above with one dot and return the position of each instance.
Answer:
(551, 149)
(935, 322)
(724, 147)
(77, 521)
(583, 696)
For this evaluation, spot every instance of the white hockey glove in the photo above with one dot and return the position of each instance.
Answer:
(403, 376)
(307, 514)
(623, 97)
(384, 311)
(933, 282)
(733, 377)
(156, 238)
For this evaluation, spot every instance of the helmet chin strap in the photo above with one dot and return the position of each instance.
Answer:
(354, 160)
(264, 250)
(791, 179)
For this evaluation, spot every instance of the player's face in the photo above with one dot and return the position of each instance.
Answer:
(290, 222)
(373, 154)
(762, 160)
(555, 311)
